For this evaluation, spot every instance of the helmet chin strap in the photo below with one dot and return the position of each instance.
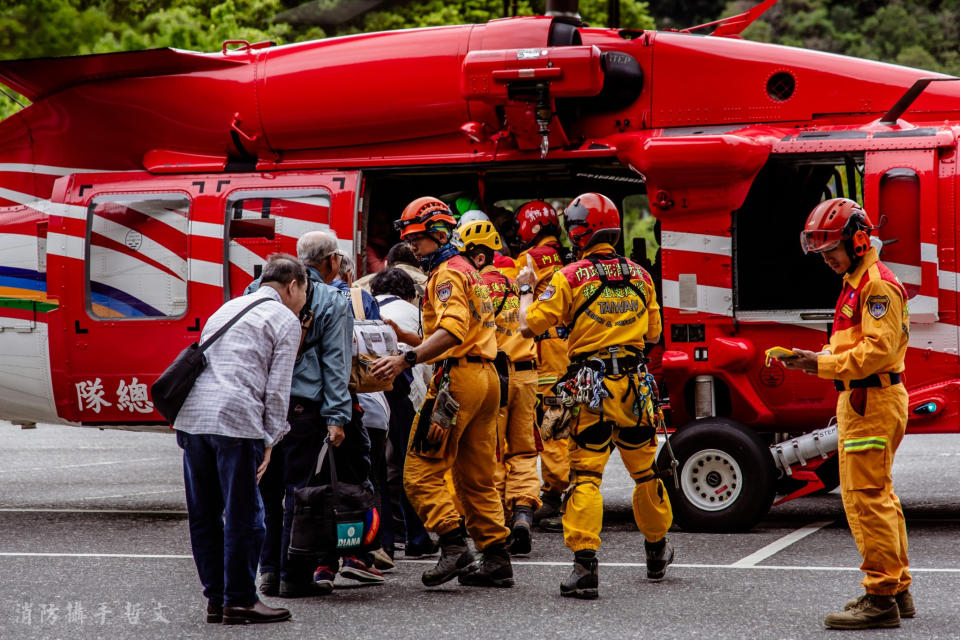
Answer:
(432, 260)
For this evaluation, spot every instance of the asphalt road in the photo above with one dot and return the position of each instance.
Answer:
(94, 544)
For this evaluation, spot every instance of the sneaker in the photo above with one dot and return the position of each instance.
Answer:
(492, 569)
(383, 560)
(584, 580)
(421, 548)
(355, 569)
(659, 555)
(869, 612)
(323, 580)
(270, 583)
(520, 532)
(904, 604)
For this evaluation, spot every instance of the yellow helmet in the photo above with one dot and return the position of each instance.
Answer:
(479, 232)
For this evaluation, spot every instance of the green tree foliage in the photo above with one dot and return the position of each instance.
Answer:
(43, 28)
(914, 33)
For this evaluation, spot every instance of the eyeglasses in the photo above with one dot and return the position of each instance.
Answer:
(336, 253)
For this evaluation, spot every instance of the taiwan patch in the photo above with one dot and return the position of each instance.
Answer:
(548, 292)
(444, 289)
(878, 305)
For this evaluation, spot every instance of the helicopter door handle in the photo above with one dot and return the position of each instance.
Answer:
(196, 325)
(235, 126)
(816, 315)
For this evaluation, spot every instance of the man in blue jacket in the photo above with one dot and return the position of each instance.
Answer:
(320, 406)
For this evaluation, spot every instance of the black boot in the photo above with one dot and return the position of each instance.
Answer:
(520, 534)
(584, 580)
(659, 555)
(493, 569)
(455, 559)
(547, 517)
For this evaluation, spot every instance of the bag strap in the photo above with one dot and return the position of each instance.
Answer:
(356, 297)
(326, 453)
(387, 301)
(222, 330)
(507, 291)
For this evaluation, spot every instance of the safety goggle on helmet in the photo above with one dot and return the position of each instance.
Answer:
(833, 221)
(423, 215)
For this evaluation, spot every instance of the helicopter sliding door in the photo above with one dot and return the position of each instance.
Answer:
(139, 262)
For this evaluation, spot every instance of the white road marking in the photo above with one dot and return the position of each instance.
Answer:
(127, 495)
(532, 563)
(123, 511)
(639, 565)
(83, 464)
(779, 545)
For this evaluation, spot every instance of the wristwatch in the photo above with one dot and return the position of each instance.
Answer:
(410, 357)
(525, 289)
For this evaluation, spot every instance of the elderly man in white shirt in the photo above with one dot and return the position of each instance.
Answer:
(235, 413)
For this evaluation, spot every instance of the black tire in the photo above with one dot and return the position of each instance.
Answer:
(714, 496)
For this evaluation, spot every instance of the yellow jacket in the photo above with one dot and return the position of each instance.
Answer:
(457, 300)
(871, 325)
(505, 296)
(618, 316)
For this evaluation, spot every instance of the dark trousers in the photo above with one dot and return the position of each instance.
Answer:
(378, 474)
(225, 514)
(292, 464)
(402, 413)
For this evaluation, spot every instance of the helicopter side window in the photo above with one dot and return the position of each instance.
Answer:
(259, 223)
(137, 256)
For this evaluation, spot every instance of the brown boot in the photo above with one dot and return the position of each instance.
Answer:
(904, 604)
(869, 612)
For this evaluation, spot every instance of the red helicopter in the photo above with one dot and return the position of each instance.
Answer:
(140, 190)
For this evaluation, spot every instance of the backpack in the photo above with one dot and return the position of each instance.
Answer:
(372, 339)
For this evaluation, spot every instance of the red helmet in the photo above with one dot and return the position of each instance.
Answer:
(423, 215)
(591, 218)
(834, 221)
(533, 218)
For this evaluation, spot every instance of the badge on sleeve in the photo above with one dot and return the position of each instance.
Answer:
(444, 289)
(878, 305)
(548, 292)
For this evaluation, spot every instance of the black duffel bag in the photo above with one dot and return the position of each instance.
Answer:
(171, 389)
(338, 516)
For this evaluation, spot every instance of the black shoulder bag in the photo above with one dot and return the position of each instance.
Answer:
(336, 517)
(171, 389)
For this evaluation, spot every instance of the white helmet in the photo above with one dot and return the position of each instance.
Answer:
(465, 219)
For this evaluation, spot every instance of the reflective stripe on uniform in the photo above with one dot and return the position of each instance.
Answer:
(860, 444)
(542, 380)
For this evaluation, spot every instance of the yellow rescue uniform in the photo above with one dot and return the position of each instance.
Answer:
(456, 300)
(625, 316)
(553, 360)
(516, 471)
(869, 341)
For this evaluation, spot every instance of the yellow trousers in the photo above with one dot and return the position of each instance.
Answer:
(871, 425)
(591, 442)
(516, 472)
(554, 459)
(468, 452)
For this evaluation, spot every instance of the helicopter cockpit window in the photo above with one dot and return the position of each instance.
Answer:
(774, 279)
(260, 222)
(137, 256)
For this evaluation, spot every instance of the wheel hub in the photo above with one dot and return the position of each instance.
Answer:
(711, 479)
